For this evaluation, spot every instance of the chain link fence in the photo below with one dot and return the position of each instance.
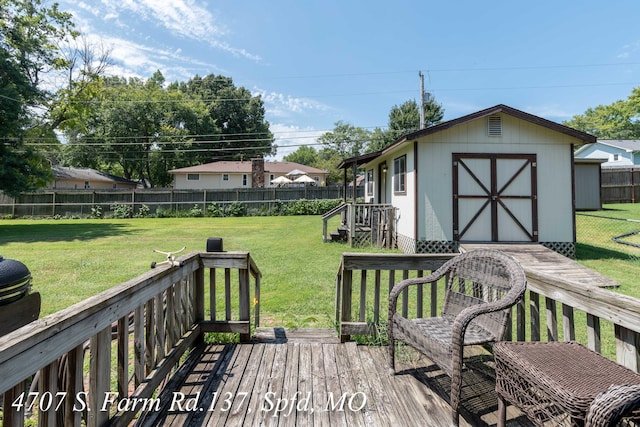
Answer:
(610, 232)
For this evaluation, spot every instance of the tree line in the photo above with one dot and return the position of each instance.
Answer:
(133, 127)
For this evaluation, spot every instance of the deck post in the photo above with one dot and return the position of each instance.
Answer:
(100, 377)
(198, 300)
(245, 313)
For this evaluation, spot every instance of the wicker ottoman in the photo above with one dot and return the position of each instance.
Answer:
(553, 382)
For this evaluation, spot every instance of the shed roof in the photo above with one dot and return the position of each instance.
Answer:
(501, 108)
(245, 167)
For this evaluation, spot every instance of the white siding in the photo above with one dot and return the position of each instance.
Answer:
(210, 181)
(405, 201)
(555, 217)
(614, 156)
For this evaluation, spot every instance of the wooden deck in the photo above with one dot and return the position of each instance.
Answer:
(309, 378)
(537, 258)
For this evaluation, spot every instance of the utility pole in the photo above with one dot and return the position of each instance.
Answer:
(421, 99)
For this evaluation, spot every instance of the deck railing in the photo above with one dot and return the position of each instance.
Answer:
(553, 309)
(134, 335)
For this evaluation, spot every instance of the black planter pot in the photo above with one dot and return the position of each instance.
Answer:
(15, 280)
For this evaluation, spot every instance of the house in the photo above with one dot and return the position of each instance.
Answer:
(241, 174)
(617, 152)
(70, 178)
(497, 175)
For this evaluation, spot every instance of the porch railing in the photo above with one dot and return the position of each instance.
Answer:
(135, 335)
(372, 223)
(553, 309)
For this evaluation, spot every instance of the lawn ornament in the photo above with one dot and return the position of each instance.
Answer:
(171, 258)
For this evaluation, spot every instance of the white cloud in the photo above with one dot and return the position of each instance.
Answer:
(551, 112)
(284, 106)
(182, 18)
(289, 138)
(132, 59)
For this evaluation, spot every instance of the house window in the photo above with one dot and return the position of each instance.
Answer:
(370, 182)
(399, 174)
(615, 157)
(225, 177)
(193, 177)
(244, 180)
(86, 184)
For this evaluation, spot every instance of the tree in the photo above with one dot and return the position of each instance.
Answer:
(139, 130)
(29, 38)
(619, 120)
(304, 155)
(345, 140)
(403, 119)
(240, 117)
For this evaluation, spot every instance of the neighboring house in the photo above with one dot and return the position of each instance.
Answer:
(497, 175)
(69, 178)
(617, 152)
(241, 174)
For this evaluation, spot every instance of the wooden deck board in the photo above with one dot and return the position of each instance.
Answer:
(241, 376)
(541, 259)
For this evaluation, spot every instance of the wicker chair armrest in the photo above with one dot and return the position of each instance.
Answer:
(400, 286)
(610, 406)
(465, 317)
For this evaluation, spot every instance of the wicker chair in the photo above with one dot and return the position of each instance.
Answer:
(611, 406)
(481, 286)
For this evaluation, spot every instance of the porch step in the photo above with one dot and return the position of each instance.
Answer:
(341, 235)
(284, 335)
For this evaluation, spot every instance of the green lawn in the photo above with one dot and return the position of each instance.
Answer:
(71, 260)
(597, 250)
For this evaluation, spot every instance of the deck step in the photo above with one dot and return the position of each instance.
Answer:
(339, 236)
(282, 335)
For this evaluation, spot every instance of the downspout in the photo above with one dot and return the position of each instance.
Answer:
(573, 195)
(415, 191)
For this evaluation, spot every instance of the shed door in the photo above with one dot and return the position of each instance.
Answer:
(495, 198)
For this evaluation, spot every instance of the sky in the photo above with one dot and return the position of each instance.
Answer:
(319, 62)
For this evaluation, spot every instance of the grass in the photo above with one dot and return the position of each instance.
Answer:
(597, 250)
(71, 260)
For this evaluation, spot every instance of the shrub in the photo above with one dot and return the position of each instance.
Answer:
(143, 212)
(195, 211)
(96, 212)
(121, 211)
(237, 209)
(215, 210)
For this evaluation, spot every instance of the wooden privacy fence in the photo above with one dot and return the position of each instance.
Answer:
(553, 309)
(149, 323)
(81, 202)
(620, 185)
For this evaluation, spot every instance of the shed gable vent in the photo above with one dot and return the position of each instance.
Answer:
(494, 126)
